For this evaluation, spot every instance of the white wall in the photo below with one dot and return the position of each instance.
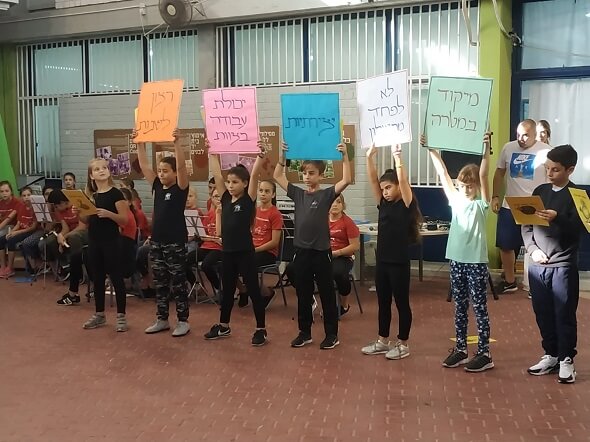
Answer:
(84, 17)
(80, 116)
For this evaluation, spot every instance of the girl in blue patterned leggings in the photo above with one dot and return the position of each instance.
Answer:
(468, 255)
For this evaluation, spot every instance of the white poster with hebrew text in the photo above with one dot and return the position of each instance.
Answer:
(384, 110)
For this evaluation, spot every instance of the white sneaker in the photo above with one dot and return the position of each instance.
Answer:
(158, 326)
(376, 348)
(567, 373)
(399, 351)
(546, 365)
(182, 328)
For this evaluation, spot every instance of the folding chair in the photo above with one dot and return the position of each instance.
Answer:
(275, 269)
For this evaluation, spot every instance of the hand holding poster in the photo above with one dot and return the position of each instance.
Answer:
(311, 126)
(157, 112)
(231, 121)
(524, 209)
(384, 110)
(79, 199)
(457, 113)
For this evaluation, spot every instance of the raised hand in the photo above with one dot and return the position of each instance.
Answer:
(342, 149)
(396, 150)
(422, 140)
(371, 151)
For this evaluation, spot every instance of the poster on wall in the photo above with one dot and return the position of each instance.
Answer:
(196, 157)
(384, 110)
(117, 147)
(457, 113)
(333, 172)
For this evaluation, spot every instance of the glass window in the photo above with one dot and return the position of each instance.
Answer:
(58, 69)
(556, 33)
(175, 56)
(115, 64)
(347, 47)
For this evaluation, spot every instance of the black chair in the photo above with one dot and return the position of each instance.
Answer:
(285, 255)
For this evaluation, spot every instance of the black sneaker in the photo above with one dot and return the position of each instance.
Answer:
(455, 358)
(259, 338)
(301, 340)
(480, 362)
(506, 287)
(343, 310)
(218, 331)
(331, 341)
(68, 300)
(243, 300)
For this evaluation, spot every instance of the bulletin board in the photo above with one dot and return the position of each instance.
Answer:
(117, 147)
(333, 172)
(196, 156)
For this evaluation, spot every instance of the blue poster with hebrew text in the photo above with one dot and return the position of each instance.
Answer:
(311, 126)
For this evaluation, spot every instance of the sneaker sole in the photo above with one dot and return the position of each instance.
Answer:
(397, 358)
(330, 347)
(180, 335)
(153, 332)
(543, 372)
(510, 290)
(308, 341)
(374, 352)
(261, 344)
(94, 326)
(570, 380)
(477, 370)
(213, 338)
(122, 330)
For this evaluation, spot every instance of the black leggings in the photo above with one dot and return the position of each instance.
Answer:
(76, 240)
(235, 264)
(104, 259)
(393, 279)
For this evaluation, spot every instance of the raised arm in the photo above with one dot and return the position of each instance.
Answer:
(346, 173)
(441, 169)
(255, 175)
(215, 168)
(280, 174)
(144, 162)
(372, 174)
(484, 169)
(181, 172)
(402, 176)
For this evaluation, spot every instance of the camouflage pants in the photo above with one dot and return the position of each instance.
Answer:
(468, 281)
(168, 266)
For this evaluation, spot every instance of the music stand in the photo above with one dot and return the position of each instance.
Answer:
(43, 215)
(196, 229)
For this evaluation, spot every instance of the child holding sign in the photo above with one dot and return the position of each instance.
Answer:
(313, 257)
(169, 235)
(399, 218)
(104, 249)
(467, 253)
(238, 208)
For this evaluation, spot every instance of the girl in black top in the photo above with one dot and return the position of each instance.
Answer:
(104, 241)
(238, 205)
(397, 230)
(169, 235)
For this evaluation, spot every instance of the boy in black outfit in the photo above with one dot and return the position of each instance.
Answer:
(313, 257)
(553, 273)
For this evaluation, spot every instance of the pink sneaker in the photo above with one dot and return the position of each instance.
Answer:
(9, 272)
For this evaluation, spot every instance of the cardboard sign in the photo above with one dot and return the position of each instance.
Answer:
(231, 120)
(523, 209)
(117, 147)
(333, 172)
(79, 199)
(157, 112)
(582, 202)
(457, 113)
(311, 126)
(384, 110)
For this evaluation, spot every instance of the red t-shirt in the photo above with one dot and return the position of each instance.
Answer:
(70, 218)
(264, 223)
(6, 208)
(209, 202)
(130, 229)
(142, 223)
(209, 225)
(340, 232)
(25, 216)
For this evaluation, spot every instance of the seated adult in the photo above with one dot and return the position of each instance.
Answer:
(344, 242)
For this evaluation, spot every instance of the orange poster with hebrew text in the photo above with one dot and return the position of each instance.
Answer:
(157, 112)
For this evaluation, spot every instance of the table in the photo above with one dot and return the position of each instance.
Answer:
(370, 230)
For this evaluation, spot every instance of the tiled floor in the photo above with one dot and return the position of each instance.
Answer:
(61, 383)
